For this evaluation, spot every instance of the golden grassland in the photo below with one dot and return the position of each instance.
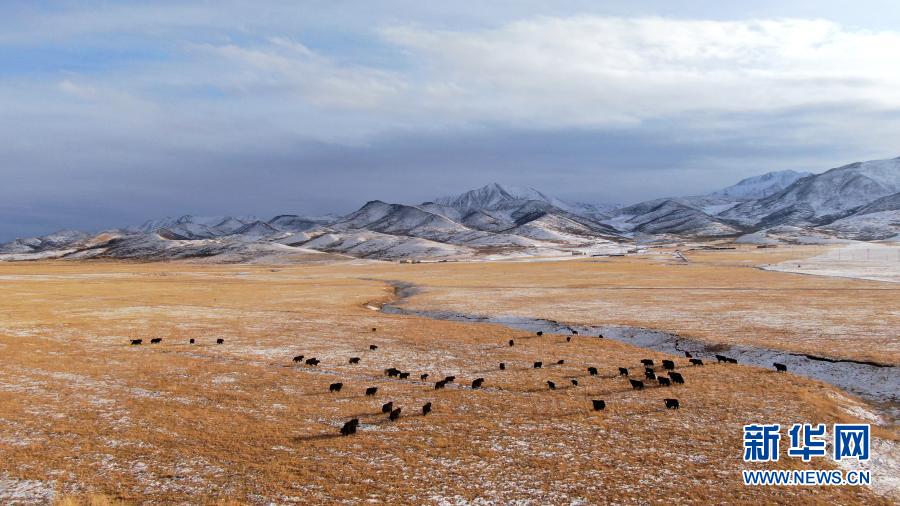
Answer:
(100, 422)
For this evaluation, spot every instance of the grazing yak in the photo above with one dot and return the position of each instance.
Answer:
(592, 371)
(335, 387)
(539, 333)
(663, 381)
(220, 341)
(440, 384)
(574, 382)
(731, 360)
(668, 365)
(135, 342)
(299, 358)
(560, 362)
(373, 347)
(502, 366)
(371, 390)
(426, 408)
(423, 377)
(696, 361)
(156, 340)
(647, 362)
(476, 384)
(780, 367)
(192, 340)
(392, 372)
(350, 427)
(721, 358)
(538, 365)
(374, 329)
(637, 385)
(449, 379)
(687, 354)
(312, 361)
(649, 374)
(395, 414)
(676, 377)
(354, 360)
(552, 385)
(574, 332)
(671, 403)
(512, 343)
(598, 405)
(568, 339)
(404, 375)
(387, 407)
(623, 371)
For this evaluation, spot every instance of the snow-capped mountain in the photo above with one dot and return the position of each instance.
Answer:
(858, 201)
(757, 187)
(822, 198)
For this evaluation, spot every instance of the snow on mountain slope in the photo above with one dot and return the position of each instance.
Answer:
(295, 223)
(399, 219)
(822, 198)
(669, 216)
(874, 226)
(57, 240)
(493, 195)
(757, 187)
(369, 244)
(257, 230)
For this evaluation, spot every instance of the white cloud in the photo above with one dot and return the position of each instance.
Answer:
(601, 71)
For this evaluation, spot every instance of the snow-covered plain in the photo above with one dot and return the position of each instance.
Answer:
(872, 261)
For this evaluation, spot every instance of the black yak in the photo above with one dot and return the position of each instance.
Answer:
(539, 333)
(568, 339)
(512, 343)
(592, 371)
(649, 374)
(298, 358)
(598, 405)
(574, 382)
(354, 360)
(423, 377)
(477, 383)
(647, 362)
(696, 361)
(780, 367)
(220, 341)
(392, 372)
(395, 414)
(623, 371)
(426, 408)
(668, 365)
(156, 340)
(440, 384)
(676, 377)
(404, 375)
(560, 362)
(335, 387)
(192, 340)
(373, 347)
(312, 361)
(502, 366)
(671, 403)
(687, 354)
(449, 379)
(371, 390)
(552, 385)
(350, 427)
(135, 342)
(663, 381)
(538, 365)
(721, 358)
(387, 407)
(637, 385)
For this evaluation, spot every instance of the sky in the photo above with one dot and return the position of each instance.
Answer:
(115, 112)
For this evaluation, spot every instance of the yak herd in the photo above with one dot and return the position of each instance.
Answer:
(651, 373)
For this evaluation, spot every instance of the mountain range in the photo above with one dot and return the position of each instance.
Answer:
(860, 201)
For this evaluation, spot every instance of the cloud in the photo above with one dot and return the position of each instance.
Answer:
(607, 71)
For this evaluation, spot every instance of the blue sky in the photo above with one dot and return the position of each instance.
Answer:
(115, 112)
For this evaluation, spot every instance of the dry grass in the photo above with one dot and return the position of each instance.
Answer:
(84, 413)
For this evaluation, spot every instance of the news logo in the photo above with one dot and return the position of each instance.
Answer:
(807, 441)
